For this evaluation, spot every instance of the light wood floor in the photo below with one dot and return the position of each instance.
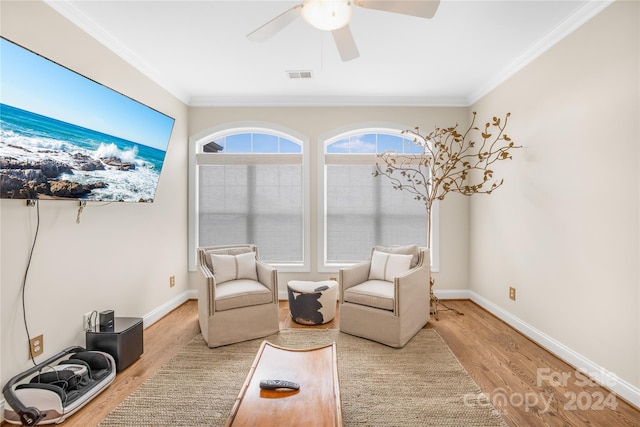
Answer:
(506, 365)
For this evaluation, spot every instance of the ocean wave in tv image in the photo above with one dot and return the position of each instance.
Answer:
(41, 157)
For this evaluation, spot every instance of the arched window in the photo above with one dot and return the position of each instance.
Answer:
(251, 188)
(360, 210)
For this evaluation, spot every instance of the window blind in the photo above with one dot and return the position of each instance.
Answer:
(363, 211)
(253, 203)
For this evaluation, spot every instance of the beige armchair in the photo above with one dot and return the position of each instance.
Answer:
(238, 298)
(386, 299)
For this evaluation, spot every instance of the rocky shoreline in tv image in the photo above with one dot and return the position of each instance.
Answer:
(41, 178)
(46, 158)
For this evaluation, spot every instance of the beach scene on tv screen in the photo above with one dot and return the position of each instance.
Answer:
(65, 136)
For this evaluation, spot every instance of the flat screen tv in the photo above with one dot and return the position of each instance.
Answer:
(65, 136)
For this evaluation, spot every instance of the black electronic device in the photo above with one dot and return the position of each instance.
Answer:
(124, 343)
(278, 384)
(106, 321)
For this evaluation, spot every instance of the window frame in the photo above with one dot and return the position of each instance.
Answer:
(363, 158)
(198, 141)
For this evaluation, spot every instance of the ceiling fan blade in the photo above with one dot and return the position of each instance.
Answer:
(345, 43)
(275, 25)
(419, 8)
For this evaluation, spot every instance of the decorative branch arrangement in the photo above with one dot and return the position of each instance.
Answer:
(452, 162)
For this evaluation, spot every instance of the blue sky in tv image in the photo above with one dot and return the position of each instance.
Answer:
(33, 83)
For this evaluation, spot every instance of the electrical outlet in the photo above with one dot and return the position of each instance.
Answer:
(172, 281)
(86, 321)
(512, 293)
(37, 346)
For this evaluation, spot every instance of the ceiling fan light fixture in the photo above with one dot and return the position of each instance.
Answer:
(327, 15)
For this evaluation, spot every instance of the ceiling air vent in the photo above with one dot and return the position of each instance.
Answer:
(299, 74)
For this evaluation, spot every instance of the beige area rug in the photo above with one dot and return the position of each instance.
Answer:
(422, 384)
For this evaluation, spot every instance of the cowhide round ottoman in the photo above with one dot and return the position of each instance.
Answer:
(312, 303)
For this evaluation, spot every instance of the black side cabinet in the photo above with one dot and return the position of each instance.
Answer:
(125, 343)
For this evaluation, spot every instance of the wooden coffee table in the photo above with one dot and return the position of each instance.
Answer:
(316, 403)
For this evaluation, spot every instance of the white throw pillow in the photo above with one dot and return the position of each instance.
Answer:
(247, 266)
(385, 266)
(234, 267)
(404, 250)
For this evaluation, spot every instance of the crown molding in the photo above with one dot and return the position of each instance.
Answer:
(325, 101)
(568, 26)
(573, 22)
(89, 26)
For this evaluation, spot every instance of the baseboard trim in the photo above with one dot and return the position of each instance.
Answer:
(175, 302)
(620, 387)
(452, 293)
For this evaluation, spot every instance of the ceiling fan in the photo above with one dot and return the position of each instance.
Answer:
(334, 16)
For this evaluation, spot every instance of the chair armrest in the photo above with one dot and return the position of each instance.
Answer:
(206, 272)
(268, 276)
(207, 291)
(353, 275)
(412, 288)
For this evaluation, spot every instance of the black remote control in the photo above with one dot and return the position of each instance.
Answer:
(276, 384)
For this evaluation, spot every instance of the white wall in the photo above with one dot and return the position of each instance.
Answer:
(315, 122)
(121, 255)
(564, 228)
